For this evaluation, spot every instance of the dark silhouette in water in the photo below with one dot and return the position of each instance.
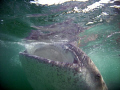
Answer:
(56, 32)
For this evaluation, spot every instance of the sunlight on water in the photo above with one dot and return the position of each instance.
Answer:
(47, 2)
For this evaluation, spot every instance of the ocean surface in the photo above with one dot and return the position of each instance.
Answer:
(100, 39)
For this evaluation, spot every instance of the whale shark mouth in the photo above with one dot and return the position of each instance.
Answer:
(66, 53)
(55, 53)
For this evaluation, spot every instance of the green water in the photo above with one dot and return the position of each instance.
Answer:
(14, 26)
(105, 52)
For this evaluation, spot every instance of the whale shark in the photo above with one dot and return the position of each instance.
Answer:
(61, 67)
(52, 60)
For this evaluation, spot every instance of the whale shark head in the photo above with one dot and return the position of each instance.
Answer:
(60, 66)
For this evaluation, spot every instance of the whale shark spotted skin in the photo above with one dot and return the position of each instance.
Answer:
(61, 67)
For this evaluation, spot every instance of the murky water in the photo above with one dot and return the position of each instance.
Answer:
(100, 39)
